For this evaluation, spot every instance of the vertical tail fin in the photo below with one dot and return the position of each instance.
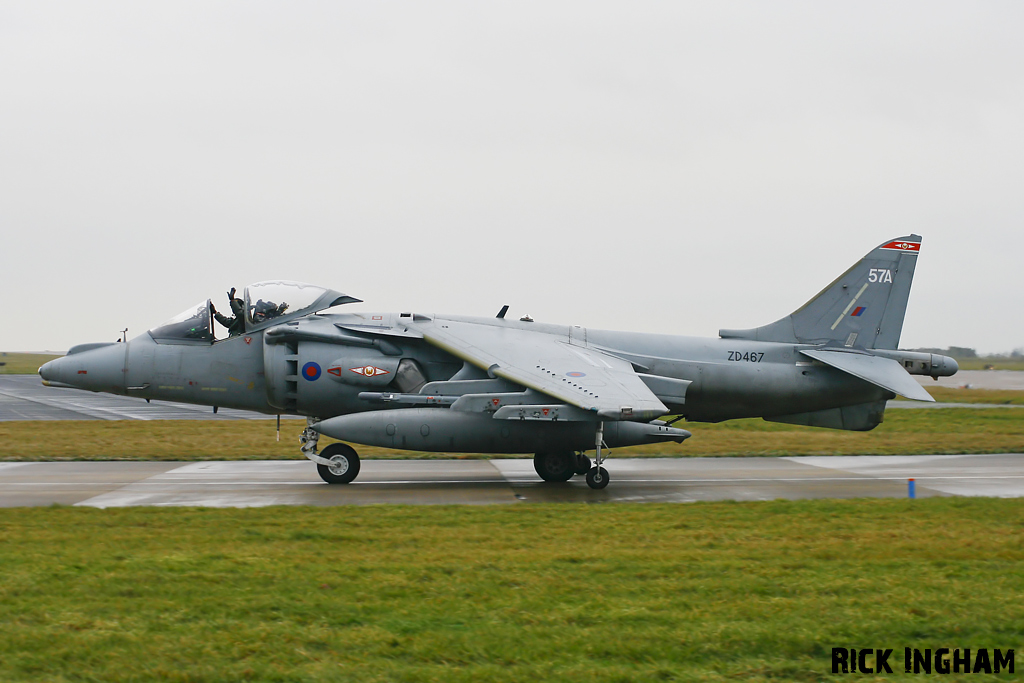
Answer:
(862, 308)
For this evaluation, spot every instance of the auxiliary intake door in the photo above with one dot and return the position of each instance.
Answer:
(281, 367)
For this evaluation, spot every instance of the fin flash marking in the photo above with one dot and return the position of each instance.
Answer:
(848, 307)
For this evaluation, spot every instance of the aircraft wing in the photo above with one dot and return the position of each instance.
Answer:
(547, 362)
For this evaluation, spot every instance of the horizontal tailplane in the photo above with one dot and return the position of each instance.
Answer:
(882, 372)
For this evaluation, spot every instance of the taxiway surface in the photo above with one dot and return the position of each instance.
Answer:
(481, 482)
(24, 397)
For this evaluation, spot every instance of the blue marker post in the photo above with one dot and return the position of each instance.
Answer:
(911, 493)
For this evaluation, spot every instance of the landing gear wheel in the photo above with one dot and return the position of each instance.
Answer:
(597, 478)
(344, 464)
(582, 464)
(555, 466)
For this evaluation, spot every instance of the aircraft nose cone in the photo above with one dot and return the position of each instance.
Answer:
(95, 369)
(50, 371)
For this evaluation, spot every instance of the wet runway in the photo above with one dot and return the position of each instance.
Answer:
(23, 397)
(482, 482)
(979, 379)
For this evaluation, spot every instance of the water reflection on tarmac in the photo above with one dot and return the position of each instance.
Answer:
(509, 481)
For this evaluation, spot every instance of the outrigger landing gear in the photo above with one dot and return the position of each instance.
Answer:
(339, 462)
(597, 477)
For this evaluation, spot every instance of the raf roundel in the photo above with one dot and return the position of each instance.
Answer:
(575, 373)
(311, 371)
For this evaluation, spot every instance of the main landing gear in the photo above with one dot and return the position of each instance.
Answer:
(555, 466)
(336, 464)
(561, 466)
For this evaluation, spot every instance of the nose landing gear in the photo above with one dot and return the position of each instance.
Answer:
(344, 465)
(337, 464)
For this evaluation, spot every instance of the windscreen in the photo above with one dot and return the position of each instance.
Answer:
(192, 324)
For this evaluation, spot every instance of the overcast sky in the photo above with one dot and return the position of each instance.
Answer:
(670, 167)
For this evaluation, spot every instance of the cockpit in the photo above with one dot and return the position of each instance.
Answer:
(262, 305)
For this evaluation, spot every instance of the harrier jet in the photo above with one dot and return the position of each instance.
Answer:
(449, 383)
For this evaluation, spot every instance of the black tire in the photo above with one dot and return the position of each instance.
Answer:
(555, 466)
(597, 478)
(583, 464)
(347, 467)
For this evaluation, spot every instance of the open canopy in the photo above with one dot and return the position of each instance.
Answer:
(263, 304)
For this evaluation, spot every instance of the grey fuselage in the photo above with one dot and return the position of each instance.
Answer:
(493, 385)
(730, 378)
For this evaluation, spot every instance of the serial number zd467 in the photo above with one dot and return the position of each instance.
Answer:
(748, 356)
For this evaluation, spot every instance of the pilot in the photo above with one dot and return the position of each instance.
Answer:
(236, 323)
(266, 310)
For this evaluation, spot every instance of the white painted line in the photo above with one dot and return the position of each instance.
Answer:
(179, 483)
(864, 478)
(538, 480)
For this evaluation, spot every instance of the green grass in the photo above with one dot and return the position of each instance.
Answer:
(23, 363)
(957, 395)
(717, 591)
(936, 430)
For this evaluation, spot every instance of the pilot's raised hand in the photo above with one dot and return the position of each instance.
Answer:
(231, 294)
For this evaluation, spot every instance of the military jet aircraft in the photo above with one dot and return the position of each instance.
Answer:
(449, 383)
